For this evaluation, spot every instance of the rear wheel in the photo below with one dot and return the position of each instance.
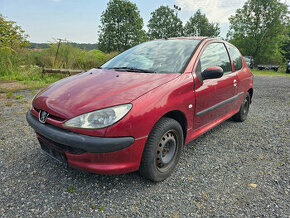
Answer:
(162, 150)
(244, 109)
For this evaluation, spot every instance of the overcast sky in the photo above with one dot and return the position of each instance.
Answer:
(78, 20)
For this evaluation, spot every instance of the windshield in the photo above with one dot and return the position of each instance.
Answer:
(160, 56)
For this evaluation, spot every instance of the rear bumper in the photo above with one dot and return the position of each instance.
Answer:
(78, 141)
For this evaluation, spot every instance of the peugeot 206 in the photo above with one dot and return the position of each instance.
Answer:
(138, 110)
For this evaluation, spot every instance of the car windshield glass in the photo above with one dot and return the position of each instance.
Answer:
(160, 56)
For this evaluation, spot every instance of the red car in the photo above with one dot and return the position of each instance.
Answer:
(139, 109)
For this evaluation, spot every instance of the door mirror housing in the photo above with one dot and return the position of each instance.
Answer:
(212, 73)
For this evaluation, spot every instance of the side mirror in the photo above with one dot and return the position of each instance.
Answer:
(212, 73)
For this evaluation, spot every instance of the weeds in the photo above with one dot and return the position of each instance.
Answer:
(71, 189)
(93, 207)
(101, 208)
(9, 95)
(19, 97)
(270, 73)
(25, 65)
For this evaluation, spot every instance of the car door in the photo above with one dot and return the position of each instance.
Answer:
(214, 97)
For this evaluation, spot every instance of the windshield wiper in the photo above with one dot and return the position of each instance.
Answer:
(132, 69)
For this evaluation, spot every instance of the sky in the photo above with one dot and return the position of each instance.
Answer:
(78, 20)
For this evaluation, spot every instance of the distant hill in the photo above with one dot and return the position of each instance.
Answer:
(86, 46)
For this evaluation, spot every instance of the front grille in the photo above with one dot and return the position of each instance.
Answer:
(65, 148)
(51, 116)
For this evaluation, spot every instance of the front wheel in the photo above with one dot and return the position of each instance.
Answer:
(244, 109)
(162, 150)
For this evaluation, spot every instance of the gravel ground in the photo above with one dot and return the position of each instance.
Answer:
(212, 178)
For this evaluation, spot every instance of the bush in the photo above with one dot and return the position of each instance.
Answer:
(26, 64)
(9, 61)
(69, 57)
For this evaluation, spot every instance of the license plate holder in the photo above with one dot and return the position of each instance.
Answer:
(52, 152)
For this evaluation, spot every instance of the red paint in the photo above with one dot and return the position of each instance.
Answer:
(152, 96)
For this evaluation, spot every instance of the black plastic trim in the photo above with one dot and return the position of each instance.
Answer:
(84, 142)
(219, 104)
(193, 52)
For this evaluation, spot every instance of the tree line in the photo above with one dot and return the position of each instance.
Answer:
(260, 28)
(122, 26)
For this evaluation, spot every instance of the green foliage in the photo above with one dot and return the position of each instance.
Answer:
(121, 26)
(11, 35)
(285, 48)
(259, 29)
(9, 60)
(93, 206)
(26, 65)
(101, 208)
(19, 97)
(198, 25)
(71, 189)
(85, 46)
(9, 95)
(164, 23)
(68, 57)
(270, 73)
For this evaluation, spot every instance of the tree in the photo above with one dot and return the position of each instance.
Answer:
(11, 35)
(121, 26)
(164, 23)
(259, 29)
(198, 25)
(285, 48)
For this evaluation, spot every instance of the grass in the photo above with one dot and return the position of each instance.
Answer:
(269, 73)
(21, 68)
(9, 95)
(27, 78)
(71, 189)
(101, 208)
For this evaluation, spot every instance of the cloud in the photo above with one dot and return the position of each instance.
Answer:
(216, 10)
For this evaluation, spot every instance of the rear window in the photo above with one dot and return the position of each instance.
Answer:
(236, 56)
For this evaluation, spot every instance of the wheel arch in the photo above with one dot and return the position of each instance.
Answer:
(251, 92)
(180, 117)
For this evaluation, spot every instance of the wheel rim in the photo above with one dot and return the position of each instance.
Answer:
(166, 150)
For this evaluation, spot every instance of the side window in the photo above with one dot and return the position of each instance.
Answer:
(236, 56)
(215, 55)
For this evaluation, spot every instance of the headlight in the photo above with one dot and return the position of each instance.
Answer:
(100, 118)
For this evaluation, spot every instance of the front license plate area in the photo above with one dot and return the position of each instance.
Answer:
(52, 152)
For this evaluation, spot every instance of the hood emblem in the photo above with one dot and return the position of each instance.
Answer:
(42, 116)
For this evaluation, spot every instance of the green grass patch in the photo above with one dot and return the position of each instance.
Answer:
(101, 208)
(23, 67)
(9, 95)
(269, 73)
(93, 207)
(71, 189)
(31, 78)
(19, 97)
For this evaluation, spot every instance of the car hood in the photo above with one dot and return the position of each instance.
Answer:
(96, 89)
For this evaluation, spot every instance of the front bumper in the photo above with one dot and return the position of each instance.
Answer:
(95, 154)
(78, 141)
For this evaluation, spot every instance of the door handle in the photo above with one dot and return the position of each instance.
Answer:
(235, 83)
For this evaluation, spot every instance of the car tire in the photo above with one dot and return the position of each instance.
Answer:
(241, 116)
(162, 150)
